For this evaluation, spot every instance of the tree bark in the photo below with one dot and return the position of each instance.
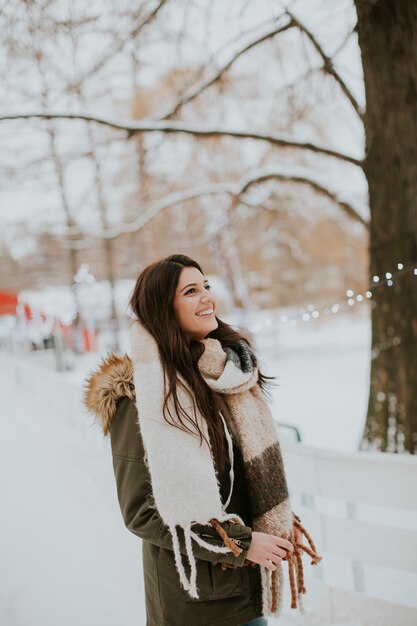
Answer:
(387, 32)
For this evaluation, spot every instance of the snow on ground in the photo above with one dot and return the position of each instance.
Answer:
(66, 556)
(323, 371)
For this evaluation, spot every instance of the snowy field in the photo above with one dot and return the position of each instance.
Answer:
(66, 556)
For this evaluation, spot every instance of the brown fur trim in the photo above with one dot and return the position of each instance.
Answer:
(106, 385)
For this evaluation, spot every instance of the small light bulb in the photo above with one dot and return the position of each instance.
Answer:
(400, 266)
(388, 275)
(349, 293)
(375, 279)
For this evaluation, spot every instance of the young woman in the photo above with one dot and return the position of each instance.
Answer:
(196, 458)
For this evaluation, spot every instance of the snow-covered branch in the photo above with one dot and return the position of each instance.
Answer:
(269, 173)
(217, 74)
(119, 45)
(275, 234)
(233, 189)
(328, 65)
(133, 128)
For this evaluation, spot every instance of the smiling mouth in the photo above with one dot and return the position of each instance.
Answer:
(208, 314)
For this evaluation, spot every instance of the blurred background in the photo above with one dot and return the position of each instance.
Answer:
(275, 144)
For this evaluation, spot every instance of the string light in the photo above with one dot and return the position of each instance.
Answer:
(384, 345)
(312, 312)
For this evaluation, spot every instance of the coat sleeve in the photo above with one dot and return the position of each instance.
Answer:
(134, 492)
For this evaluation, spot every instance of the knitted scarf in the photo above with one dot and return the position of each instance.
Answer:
(184, 480)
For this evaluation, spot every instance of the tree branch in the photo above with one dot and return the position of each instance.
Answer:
(303, 180)
(234, 189)
(196, 90)
(119, 45)
(178, 127)
(273, 233)
(328, 64)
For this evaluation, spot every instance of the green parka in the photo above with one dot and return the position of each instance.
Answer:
(228, 597)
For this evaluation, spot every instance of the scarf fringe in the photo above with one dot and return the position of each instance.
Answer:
(273, 581)
(190, 584)
(295, 566)
(266, 591)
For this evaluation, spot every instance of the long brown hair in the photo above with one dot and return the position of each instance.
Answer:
(152, 303)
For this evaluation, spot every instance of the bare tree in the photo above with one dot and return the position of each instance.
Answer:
(387, 36)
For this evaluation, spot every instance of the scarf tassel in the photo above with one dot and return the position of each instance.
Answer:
(190, 584)
(229, 541)
(295, 566)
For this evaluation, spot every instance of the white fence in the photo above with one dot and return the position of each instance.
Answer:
(361, 511)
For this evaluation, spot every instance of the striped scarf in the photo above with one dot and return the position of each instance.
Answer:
(183, 475)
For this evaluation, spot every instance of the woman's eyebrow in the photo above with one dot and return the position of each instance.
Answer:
(193, 285)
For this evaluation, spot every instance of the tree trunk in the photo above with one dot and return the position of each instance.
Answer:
(387, 32)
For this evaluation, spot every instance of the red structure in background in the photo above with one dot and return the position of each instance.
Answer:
(90, 340)
(8, 303)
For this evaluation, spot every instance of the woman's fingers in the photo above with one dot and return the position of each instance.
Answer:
(281, 546)
(279, 552)
(284, 543)
(274, 558)
(268, 550)
(298, 535)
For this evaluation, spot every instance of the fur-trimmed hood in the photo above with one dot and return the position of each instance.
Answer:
(112, 380)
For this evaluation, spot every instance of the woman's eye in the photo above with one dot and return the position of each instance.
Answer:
(193, 289)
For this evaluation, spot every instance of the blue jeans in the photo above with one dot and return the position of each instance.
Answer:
(259, 621)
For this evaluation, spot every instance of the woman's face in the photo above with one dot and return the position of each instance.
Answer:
(192, 297)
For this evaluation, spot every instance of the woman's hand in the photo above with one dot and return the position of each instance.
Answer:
(268, 550)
